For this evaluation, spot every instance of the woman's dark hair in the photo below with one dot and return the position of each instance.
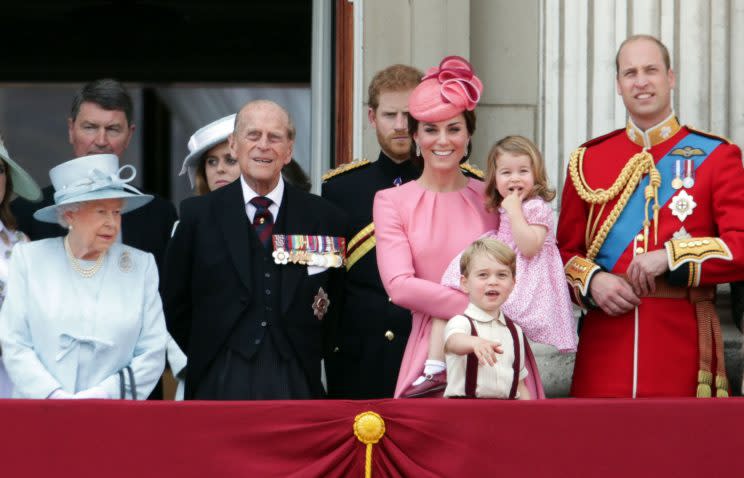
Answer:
(413, 124)
(5, 214)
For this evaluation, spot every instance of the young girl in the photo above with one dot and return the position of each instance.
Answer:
(517, 190)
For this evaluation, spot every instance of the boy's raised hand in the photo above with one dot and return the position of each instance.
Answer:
(486, 350)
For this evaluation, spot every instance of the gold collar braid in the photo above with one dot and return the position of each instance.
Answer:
(629, 178)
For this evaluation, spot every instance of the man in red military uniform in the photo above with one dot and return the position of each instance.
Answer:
(652, 217)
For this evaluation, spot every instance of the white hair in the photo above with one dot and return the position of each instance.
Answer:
(62, 209)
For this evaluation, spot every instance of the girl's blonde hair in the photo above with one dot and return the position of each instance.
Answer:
(516, 145)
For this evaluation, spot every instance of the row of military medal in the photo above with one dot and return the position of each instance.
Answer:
(688, 180)
(683, 204)
(319, 251)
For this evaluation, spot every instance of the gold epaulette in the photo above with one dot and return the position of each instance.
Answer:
(709, 134)
(579, 271)
(695, 251)
(473, 170)
(344, 168)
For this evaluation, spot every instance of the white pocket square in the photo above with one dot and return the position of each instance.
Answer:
(312, 270)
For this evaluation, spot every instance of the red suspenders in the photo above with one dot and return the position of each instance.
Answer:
(471, 369)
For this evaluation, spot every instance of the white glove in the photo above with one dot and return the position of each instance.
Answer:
(60, 394)
(93, 392)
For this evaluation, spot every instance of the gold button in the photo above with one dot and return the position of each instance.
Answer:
(639, 250)
(639, 237)
(389, 335)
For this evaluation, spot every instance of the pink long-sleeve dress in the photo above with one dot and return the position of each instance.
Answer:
(418, 232)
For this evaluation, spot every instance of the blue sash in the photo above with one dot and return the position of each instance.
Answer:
(630, 221)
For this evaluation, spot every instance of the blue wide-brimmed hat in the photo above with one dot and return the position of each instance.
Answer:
(90, 178)
(23, 184)
(204, 139)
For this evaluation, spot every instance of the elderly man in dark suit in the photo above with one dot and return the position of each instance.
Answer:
(253, 274)
(101, 122)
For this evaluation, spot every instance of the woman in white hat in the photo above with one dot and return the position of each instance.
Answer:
(82, 317)
(209, 164)
(13, 179)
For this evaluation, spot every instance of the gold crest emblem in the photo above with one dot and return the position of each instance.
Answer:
(688, 152)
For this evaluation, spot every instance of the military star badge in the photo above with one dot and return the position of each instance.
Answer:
(682, 205)
(320, 304)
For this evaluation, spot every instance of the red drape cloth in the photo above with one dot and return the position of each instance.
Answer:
(424, 438)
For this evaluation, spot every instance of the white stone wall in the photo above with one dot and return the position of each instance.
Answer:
(549, 65)
(578, 59)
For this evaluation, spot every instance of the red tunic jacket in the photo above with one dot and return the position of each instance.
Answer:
(667, 361)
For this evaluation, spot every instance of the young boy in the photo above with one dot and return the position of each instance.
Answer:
(485, 350)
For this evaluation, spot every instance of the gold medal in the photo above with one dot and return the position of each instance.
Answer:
(677, 181)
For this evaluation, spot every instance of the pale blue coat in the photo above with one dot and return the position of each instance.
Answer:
(57, 331)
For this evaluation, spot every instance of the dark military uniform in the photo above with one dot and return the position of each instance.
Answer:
(373, 331)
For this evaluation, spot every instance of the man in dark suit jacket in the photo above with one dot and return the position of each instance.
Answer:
(372, 331)
(253, 325)
(100, 122)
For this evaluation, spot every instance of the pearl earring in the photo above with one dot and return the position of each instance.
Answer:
(418, 150)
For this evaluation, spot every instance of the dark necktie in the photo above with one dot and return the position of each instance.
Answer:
(263, 220)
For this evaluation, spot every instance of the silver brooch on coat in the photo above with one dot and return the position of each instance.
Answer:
(125, 262)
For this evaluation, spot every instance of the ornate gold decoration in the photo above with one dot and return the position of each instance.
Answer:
(629, 178)
(369, 428)
(579, 272)
(696, 250)
(359, 245)
(474, 170)
(687, 152)
(75, 263)
(654, 135)
(345, 168)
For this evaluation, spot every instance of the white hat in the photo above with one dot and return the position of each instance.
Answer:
(23, 184)
(90, 178)
(204, 139)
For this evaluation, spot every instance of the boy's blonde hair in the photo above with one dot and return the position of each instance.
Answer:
(516, 145)
(493, 248)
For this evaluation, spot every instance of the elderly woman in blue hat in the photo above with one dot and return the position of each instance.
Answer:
(82, 317)
(13, 181)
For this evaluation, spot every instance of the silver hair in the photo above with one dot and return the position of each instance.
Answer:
(62, 209)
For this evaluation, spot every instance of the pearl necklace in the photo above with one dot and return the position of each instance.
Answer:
(75, 263)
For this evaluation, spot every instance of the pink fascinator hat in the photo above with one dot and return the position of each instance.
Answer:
(445, 91)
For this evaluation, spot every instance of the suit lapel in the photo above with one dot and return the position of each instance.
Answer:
(229, 210)
(293, 220)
